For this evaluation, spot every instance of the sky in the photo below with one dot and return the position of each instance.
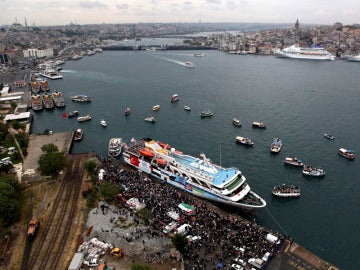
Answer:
(63, 12)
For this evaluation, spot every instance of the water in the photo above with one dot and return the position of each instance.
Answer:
(297, 100)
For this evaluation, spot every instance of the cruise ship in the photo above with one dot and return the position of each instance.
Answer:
(197, 176)
(313, 53)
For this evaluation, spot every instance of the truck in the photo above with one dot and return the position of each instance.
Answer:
(33, 227)
(116, 252)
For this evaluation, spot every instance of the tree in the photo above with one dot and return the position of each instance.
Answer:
(91, 165)
(109, 191)
(10, 200)
(52, 161)
(180, 242)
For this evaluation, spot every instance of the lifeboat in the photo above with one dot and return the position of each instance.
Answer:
(161, 161)
(146, 153)
(164, 145)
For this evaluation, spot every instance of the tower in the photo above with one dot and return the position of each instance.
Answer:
(297, 25)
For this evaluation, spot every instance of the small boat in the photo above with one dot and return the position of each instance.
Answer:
(156, 108)
(236, 122)
(150, 119)
(189, 64)
(73, 114)
(258, 125)
(127, 111)
(174, 98)
(78, 135)
(349, 154)
(286, 191)
(276, 145)
(81, 98)
(103, 123)
(293, 161)
(198, 55)
(244, 140)
(329, 136)
(312, 171)
(115, 147)
(84, 118)
(187, 108)
(207, 113)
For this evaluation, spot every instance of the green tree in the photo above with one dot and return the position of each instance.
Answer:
(17, 125)
(51, 162)
(144, 214)
(109, 191)
(10, 200)
(137, 266)
(180, 242)
(91, 165)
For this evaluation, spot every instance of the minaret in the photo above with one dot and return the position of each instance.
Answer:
(25, 23)
(297, 25)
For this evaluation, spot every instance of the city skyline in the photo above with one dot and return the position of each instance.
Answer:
(40, 13)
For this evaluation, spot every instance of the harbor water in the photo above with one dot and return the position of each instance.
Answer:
(298, 101)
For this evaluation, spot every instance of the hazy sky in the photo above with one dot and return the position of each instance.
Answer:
(63, 12)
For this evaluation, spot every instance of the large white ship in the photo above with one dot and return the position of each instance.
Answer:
(313, 53)
(197, 176)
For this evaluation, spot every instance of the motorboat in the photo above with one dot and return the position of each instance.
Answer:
(84, 118)
(312, 171)
(196, 175)
(115, 147)
(285, 191)
(198, 55)
(73, 114)
(349, 154)
(236, 122)
(312, 53)
(187, 108)
(293, 161)
(81, 98)
(258, 125)
(244, 140)
(78, 135)
(189, 64)
(329, 136)
(174, 98)
(354, 58)
(127, 111)
(103, 123)
(150, 119)
(276, 145)
(206, 113)
(156, 108)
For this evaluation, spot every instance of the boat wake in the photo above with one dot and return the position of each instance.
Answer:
(67, 71)
(172, 60)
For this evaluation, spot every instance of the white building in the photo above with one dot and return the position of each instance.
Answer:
(35, 53)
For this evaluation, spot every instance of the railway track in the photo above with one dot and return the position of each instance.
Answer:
(56, 231)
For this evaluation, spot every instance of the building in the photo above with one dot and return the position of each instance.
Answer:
(36, 53)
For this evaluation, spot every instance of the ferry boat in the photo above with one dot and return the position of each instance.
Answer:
(174, 98)
(150, 119)
(207, 113)
(293, 161)
(44, 86)
(244, 140)
(197, 176)
(115, 147)
(258, 125)
(35, 87)
(78, 135)
(84, 118)
(189, 64)
(127, 111)
(329, 136)
(58, 99)
(81, 98)
(276, 145)
(156, 108)
(312, 53)
(312, 171)
(48, 102)
(236, 122)
(51, 74)
(349, 154)
(36, 103)
(286, 191)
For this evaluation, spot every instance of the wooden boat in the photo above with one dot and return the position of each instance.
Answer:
(236, 122)
(329, 136)
(286, 191)
(349, 154)
(258, 125)
(156, 108)
(244, 140)
(312, 171)
(293, 161)
(78, 135)
(84, 118)
(174, 98)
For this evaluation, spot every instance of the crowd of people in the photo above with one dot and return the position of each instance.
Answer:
(222, 236)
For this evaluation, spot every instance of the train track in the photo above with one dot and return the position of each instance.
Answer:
(58, 226)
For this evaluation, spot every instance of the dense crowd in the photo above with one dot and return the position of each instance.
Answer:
(222, 236)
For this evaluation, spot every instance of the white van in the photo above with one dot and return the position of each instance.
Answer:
(183, 229)
(170, 227)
